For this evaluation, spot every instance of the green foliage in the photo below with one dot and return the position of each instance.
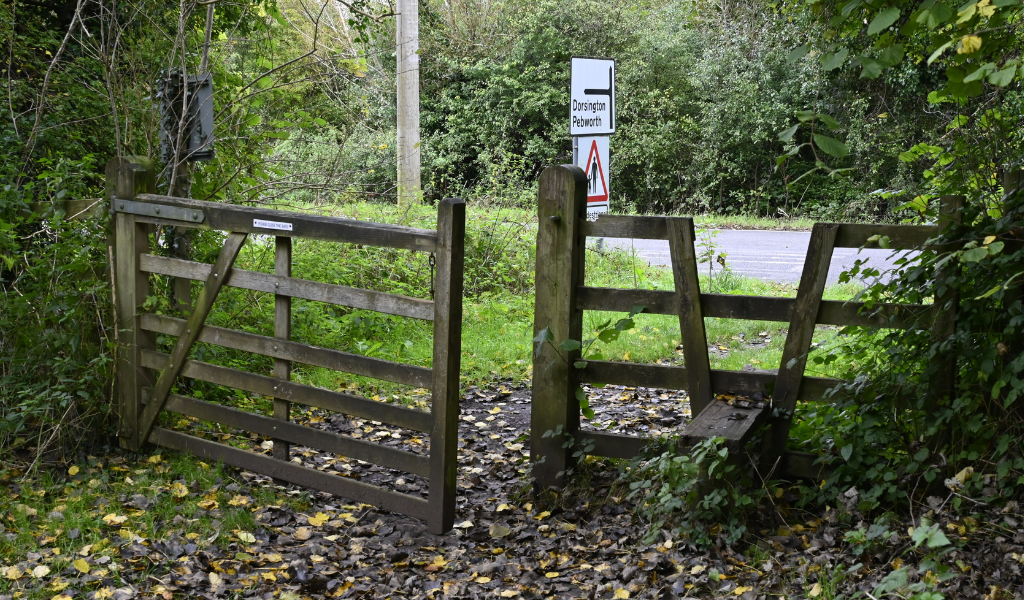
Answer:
(57, 332)
(697, 496)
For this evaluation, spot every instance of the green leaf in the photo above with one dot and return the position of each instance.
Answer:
(831, 146)
(829, 121)
(580, 364)
(797, 53)
(624, 324)
(938, 539)
(846, 451)
(805, 116)
(787, 135)
(938, 52)
(995, 248)
(1004, 77)
(570, 345)
(831, 62)
(974, 254)
(980, 72)
(870, 68)
(883, 20)
(637, 309)
(608, 335)
(891, 55)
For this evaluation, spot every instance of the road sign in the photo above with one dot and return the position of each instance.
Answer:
(592, 96)
(592, 156)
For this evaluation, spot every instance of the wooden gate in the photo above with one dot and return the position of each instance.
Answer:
(146, 377)
(562, 297)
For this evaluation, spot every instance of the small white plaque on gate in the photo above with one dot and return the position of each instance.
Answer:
(278, 225)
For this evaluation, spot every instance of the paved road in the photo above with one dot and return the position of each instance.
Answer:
(769, 255)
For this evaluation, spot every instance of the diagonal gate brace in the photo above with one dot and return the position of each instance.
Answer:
(194, 325)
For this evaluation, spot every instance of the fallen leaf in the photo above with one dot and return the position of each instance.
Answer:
(208, 504)
(499, 531)
(40, 571)
(239, 501)
(113, 519)
(303, 533)
(246, 537)
(621, 594)
(73, 470)
(483, 579)
(318, 520)
(743, 589)
(697, 570)
(179, 490)
(543, 515)
(552, 574)
(214, 579)
(465, 525)
(509, 593)
(815, 590)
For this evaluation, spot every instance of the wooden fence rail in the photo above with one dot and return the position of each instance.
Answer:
(147, 377)
(562, 298)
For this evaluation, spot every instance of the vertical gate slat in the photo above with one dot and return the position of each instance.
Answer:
(562, 200)
(282, 330)
(444, 439)
(691, 319)
(215, 282)
(801, 333)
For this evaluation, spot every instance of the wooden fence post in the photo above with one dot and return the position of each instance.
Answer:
(444, 438)
(126, 177)
(943, 364)
(562, 202)
(282, 330)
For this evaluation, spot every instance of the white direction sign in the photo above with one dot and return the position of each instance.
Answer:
(592, 156)
(592, 96)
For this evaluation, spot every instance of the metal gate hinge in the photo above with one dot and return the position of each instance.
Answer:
(145, 209)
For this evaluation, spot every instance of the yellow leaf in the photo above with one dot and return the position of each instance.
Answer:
(624, 357)
(743, 589)
(815, 591)
(502, 507)
(214, 579)
(989, 239)
(40, 571)
(552, 574)
(621, 594)
(303, 533)
(156, 458)
(208, 504)
(440, 561)
(965, 475)
(697, 570)
(82, 565)
(897, 563)
(509, 593)
(179, 490)
(318, 520)
(543, 515)
(73, 470)
(246, 537)
(104, 593)
(969, 44)
(113, 519)
(494, 410)
(61, 597)
(239, 501)
(86, 550)
(483, 579)
(12, 573)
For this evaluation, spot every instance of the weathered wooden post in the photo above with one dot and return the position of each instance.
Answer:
(561, 205)
(126, 177)
(444, 438)
(943, 364)
(282, 330)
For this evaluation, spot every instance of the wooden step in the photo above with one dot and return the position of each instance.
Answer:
(735, 422)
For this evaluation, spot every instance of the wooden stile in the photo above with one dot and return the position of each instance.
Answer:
(554, 381)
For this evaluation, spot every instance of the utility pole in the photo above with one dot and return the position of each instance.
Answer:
(408, 67)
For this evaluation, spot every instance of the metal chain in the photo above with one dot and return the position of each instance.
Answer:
(432, 261)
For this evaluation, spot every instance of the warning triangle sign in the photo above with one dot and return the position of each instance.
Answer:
(597, 186)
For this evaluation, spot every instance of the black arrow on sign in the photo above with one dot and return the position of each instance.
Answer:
(610, 92)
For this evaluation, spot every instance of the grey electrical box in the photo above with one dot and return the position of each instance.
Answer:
(193, 98)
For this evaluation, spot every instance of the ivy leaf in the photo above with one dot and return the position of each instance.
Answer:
(883, 20)
(831, 146)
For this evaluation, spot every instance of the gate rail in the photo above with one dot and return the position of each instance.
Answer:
(146, 376)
